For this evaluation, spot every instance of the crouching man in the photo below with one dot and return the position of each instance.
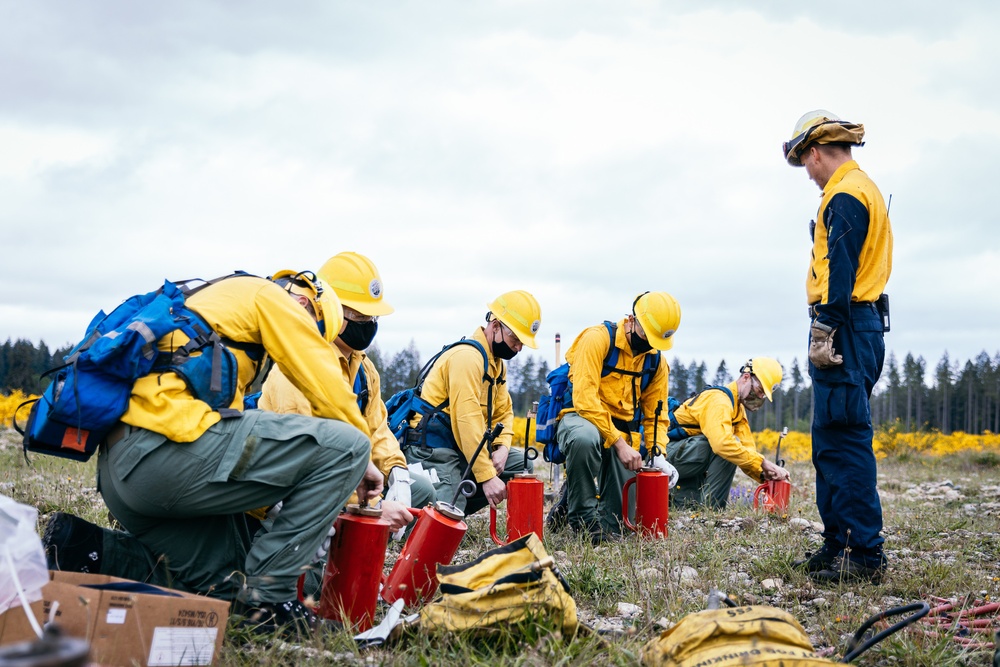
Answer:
(179, 475)
(710, 437)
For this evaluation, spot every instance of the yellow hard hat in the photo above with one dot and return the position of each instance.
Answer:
(767, 370)
(521, 313)
(659, 314)
(329, 313)
(357, 283)
(820, 127)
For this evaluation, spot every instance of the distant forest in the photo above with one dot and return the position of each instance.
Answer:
(956, 396)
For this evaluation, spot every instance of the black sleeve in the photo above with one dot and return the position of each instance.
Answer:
(846, 221)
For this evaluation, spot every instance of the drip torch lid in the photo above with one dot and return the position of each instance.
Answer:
(354, 508)
(449, 510)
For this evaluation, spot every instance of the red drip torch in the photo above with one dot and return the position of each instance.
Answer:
(525, 497)
(354, 567)
(435, 538)
(774, 494)
(652, 493)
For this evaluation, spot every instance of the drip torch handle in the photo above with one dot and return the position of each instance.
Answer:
(654, 451)
(529, 451)
(488, 436)
(777, 451)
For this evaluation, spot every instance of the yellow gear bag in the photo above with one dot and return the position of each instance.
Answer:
(513, 583)
(730, 637)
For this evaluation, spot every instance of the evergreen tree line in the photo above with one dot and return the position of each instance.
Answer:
(956, 397)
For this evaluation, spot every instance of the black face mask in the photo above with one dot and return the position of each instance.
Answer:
(502, 350)
(638, 344)
(359, 335)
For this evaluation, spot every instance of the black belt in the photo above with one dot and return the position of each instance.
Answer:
(854, 304)
(117, 433)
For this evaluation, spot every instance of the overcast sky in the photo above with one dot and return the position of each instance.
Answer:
(583, 151)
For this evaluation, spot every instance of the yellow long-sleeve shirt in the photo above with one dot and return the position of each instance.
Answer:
(280, 395)
(458, 376)
(725, 424)
(600, 399)
(246, 309)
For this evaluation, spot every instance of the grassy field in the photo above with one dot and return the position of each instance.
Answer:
(942, 518)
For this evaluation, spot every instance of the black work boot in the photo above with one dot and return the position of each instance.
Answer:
(814, 562)
(288, 620)
(73, 544)
(847, 569)
(556, 519)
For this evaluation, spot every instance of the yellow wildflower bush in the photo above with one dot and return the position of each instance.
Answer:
(794, 447)
(9, 403)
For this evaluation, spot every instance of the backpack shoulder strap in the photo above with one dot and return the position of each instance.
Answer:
(464, 341)
(725, 390)
(611, 358)
(649, 367)
(361, 388)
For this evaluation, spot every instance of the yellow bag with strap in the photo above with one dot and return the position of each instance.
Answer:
(759, 637)
(729, 637)
(516, 582)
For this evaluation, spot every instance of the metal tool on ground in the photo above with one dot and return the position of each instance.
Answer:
(652, 494)
(971, 622)
(353, 571)
(773, 494)
(525, 497)
(52, 649)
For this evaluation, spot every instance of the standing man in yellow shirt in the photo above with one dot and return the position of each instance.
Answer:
(710, 437)
(849, 313)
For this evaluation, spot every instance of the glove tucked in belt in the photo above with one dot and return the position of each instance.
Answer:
(821, 352)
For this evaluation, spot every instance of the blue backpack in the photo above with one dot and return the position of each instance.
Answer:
(90, 392)
(678, 431)
(561, 395)
(434, 428)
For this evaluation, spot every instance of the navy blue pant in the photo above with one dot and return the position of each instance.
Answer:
(842, 433)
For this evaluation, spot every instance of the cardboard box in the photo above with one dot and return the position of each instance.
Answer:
(126, 625)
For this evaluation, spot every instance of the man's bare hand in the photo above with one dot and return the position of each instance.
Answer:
(495, 491)
(630, 458)
(772, 471)
(397, 514)
(500, 458)
(370, 487)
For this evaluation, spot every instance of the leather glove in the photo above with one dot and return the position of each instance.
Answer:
(660, 463)
(821, 352)
(399, 490)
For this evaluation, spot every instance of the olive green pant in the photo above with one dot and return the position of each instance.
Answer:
(704, 477)
(594, 477)
(125, 556)
(449, 465)
(185, 501)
